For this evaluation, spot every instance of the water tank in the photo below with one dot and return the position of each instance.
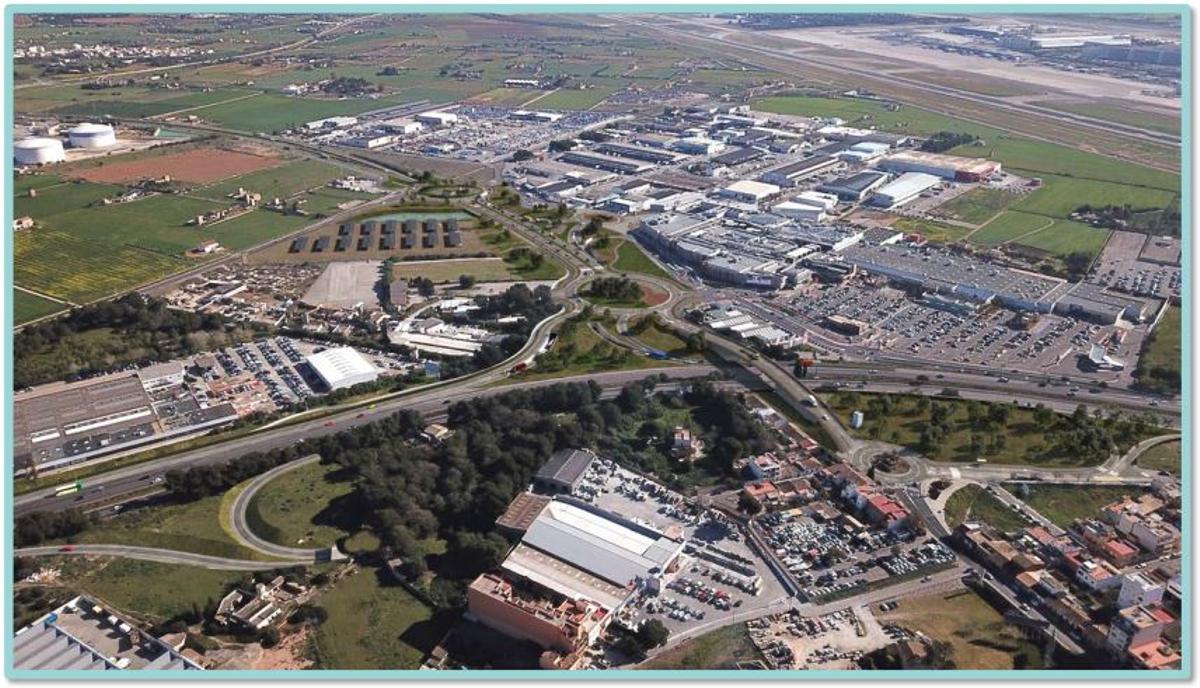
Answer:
(38, 151)
(89, 135)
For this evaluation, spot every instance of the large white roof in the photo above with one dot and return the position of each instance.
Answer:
(341, 366)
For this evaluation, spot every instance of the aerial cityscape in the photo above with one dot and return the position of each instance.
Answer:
(598, 342)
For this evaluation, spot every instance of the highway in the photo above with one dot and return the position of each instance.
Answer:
(162, 556)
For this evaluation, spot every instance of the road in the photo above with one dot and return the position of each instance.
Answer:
(245, 535)
(106, 486)
(162, 556)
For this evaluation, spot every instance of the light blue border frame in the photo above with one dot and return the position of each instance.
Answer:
(1183, 673)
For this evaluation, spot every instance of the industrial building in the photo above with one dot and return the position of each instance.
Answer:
(342, 367)
(945, 166)
(576, 566)
(793, 173)
(605, 162)
(38, 151)
(437, 119)
(855, 187)
(81, 635)
(564, 470)
(747, 191)
(903, 189)
(88, 135)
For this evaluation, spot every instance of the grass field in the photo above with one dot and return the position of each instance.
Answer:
(1162, 354)
(296, 507)
(158, 590)
(978, 634)
(188, 527)
(658, 337)
(578, 350)
(719, 649)
(1118, 111)
(575, 99)
(1065, 237)
(1008, 226)
(933, 231)
(155, 224)
(973, 503)
(61, 198)
(282, 181)
(28, 306)
(442, 271)
(76, 269)
(1060, 196)
(977, 205)
(631, 258)
(1062, 504)
(372, 626)
(271, 112)
(1167, 456)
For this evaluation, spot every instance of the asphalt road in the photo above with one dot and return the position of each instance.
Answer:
(244, 534)
(162, 556)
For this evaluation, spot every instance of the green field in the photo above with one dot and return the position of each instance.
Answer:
(1167, 456)
(156, 223)
(271, 112)
(187, 527)
(1008, 226)
(80, 270)
(1162, 355)
(631, 258)
(1065, 237)
(146, 108)
(574, 99)
(1063, 504)
(161, 591)
(578, 350)
(61, 198)
(1060, 196)
(933, 231)
(28, 306)
(282, 181)
(252, 228)
(661, 338)
(297, 508)
(977, 205)
(973, 503)
(373, 626)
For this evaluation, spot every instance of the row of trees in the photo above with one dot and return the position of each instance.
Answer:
(943, 141)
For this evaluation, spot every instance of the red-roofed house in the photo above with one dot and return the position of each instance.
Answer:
(1119, 552)
(1155, 655)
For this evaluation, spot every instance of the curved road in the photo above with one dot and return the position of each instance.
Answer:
(162, 556)
(247, 537)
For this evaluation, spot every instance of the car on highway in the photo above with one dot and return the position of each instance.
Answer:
(67, 548)
(329, 424)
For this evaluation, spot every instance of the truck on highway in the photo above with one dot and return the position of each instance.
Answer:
(811, 401)
(69, 488)
(657, 355)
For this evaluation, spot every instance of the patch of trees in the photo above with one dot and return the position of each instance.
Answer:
(140, 330)
(595, 135)
(943, 141)
(562, 145)
(521, 155)
(32, 529)
(650, 634)
(1156, 221)
(614, 289)
(349, 86)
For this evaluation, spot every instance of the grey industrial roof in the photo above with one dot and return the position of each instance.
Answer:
(566, 466)
(600, 542)
(45, 647)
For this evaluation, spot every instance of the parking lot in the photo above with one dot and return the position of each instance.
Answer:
(1121, 268)
(833, 641)
(1053, 345)
(720, 575)
(833, 558)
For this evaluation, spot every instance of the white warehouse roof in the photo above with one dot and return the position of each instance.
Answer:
(752, 188)
(342, 367)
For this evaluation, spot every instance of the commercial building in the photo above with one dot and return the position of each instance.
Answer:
(437, 119)
(800, 211)
(82, 635)
(1055, 41)
(905, 188)
(605, 162)
(342, 367)
(945, 166)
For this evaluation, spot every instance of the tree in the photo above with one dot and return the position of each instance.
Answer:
(652, 633)
(522, 155)
(749, 504)
(466, 281)
(268, 637)
(309, 613)
(425, 287)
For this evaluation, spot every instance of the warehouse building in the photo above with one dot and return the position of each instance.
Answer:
(81, 635)
(564, 470)
(854, 188)
(342, 367)
(437, 119)
(793, 173)
(1090, 302)
(905, 188)
(605, 162)
(746, 191)
(945, 166)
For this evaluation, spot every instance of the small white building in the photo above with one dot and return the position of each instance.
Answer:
(403, 126)
(342, 367)
(856, 419)
(437, 118)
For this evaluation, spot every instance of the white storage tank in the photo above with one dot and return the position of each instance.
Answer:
(88, 135)
(38, 151)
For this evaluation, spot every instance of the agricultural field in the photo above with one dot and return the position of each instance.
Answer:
(80, 270)
(27, 307)
(1065, 237)
(195, 166)
(61, 197)
(1063, 504)
(1061, 196)
(939, 232)
(272, 112)
(373, 624)
(297, 509)
(574, 99)
(977, 205)
(282, 181)
(157, 223)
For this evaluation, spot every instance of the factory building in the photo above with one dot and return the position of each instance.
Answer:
(905, 188)
(945, 166)
(89, 135)
(38, 151)
(342, 367)
(696, 145)
(605, 162)
(437, 119)
(403, 126)
(1090, 302)
(746, 191)
(564, 470)
(800, 211)
(854, 188)
(793, 173)
(1035, 42)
